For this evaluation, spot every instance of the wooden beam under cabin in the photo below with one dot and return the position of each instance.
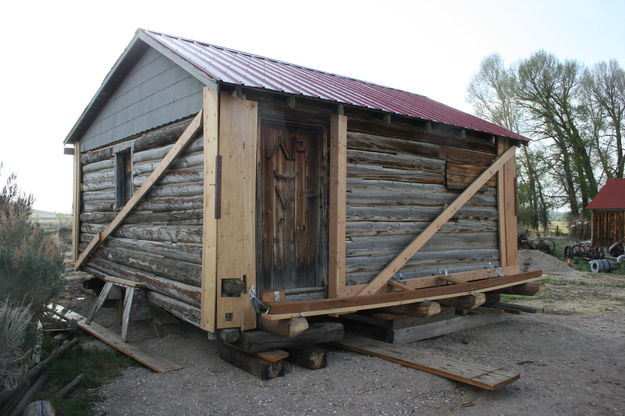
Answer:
(338, 204)
(283, 310)
(156, 174)
(506, 207)
(76, 203)
(406, 254)
(210, 123)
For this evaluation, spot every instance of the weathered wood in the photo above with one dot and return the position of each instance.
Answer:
(181, 291)
(173, 176)
(386, 228)
(444, 327)
(312, 357)
(157, 153)
(236, 233)
(281, 310)
(258, 340)
(338, 204)
(528, 289)
(509, 307)
(76, 203)
(101, 165)
(104, 293)
(471, 301)
(179, 309)
(392, 320)
(264, 370)
(388, 174)
(372, 142)
(100, 185)
(29, 396)
(422, 309)
(161, 136)
(39, 408)
(70, 387)
(151, 232)
(184, 162)
(271, 356)
(177, 270)
(210, 125)
(485, 377)
(287, 328)
(143, 190)
(230, 335)
(395, 265)
(460, 175)
(189, 252)
(184, 217)
(96, 155)
(128, 296)
(396, 161)
(414, 213)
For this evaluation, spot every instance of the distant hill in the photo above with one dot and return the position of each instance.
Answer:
(48, 217)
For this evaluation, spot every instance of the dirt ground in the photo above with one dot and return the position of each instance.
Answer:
(571, 360)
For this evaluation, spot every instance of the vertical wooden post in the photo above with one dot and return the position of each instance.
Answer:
(236, 237)
(506, 206)
(210, 124)
(76, 202)
(338, 204)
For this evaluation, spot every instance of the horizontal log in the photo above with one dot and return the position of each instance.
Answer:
(101, 268)
(180, 310)
(161, 136)
(372, 228)
(460, 175)
(185, 217)
(97, 166)
(372, 142)
(101, 185)
(158, 153)
(105, 195)
(180, 271)
(385, 245)
(175, 176)
(423, 258)
(422, 309)
(395, 161)
(287, 328)
(437, 136)
(151, 232)
(381, 173)
(182, 162)
(176, 251)
(467, 156)
(527, 289)
(172, 203)
(96, 155)
(415, 213)
(100, 175)
(256, 366)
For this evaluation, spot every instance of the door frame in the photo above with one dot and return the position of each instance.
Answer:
(323, 128)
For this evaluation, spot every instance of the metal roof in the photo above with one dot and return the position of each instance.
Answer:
(611, 196)
(241, 68)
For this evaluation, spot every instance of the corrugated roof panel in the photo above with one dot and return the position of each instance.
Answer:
(241, 68)
(611, 196)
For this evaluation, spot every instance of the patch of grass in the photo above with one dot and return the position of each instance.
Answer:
(512, 298)
(99, 367)
(564, 282)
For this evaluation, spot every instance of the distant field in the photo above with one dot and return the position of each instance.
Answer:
(51, 218)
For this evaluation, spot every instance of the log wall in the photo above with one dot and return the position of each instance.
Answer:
(398, 181)
(160, 242)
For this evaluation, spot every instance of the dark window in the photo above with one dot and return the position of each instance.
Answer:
(123, 178)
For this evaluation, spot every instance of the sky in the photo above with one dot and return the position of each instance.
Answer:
(56, 54)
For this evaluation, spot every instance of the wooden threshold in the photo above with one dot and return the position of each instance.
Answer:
(284, 310)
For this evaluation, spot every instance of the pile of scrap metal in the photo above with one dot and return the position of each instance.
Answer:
(584, 250)
(601, 259)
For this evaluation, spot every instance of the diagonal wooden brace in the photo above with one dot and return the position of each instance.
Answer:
(398, 262)
(173, 153)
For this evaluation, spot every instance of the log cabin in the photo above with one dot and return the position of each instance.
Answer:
(607, 209)
(234, 186)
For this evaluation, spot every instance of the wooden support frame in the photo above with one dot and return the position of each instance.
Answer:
(285, 310)
(210, 108)
(76, 203)
(156, 174)
(398, 262)
(338, 205)
(506, 207)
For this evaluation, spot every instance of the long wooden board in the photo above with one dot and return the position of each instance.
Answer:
(483, 376)
(338, 204)
(398, 262)
(142, 355)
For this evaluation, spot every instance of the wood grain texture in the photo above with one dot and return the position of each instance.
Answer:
(76, 211)
(236, 232)
(338, 205)
(486, 377)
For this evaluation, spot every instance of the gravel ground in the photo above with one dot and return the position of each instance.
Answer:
(570, 363)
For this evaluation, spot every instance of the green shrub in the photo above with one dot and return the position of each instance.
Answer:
(31, 261)
(14, 322)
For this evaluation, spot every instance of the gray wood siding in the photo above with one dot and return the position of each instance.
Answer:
(155, 92)
(160, 242)
(396, 187)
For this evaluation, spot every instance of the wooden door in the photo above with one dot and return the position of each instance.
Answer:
(291, 205)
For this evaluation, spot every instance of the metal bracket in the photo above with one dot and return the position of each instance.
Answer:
(258, 305)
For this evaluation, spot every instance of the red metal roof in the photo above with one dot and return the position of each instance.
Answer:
(611, 196)
(241, 68)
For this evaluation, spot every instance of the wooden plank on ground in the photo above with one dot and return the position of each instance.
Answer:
(258, 341)
(156, 174)
(338, 204)
(312, 357)
(406, 254)
(271, 356)
(483, 376)
(252, 364)
(142, 355)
